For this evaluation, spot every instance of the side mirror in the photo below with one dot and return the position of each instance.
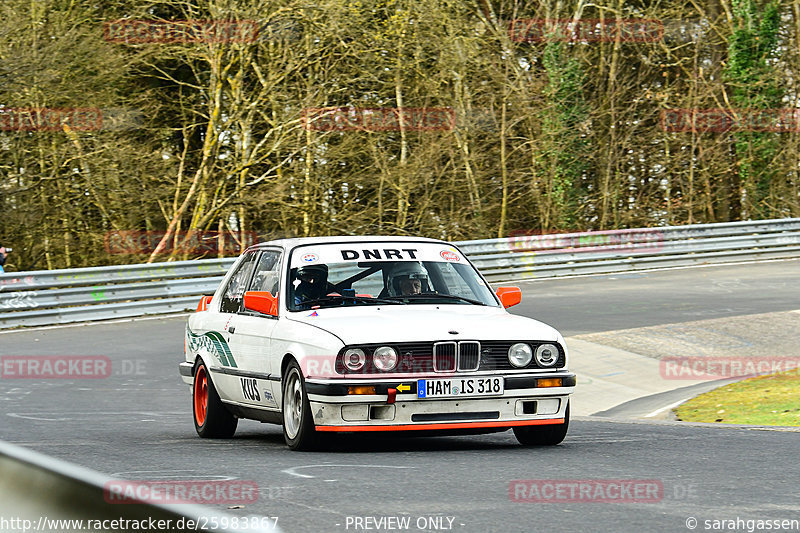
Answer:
(204, 301)
(261, 301)
(509, 296)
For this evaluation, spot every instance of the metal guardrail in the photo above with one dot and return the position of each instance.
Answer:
(98, 293)
(83, 294)
(540, 256)
(75, 277)
(40, 493)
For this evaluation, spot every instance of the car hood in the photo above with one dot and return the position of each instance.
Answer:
(413, 323)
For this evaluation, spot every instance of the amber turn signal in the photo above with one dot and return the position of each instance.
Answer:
(360, 389)
(549, 382)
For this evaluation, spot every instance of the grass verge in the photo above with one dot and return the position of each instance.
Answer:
(771, 400)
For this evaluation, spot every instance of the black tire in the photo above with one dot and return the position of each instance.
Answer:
(212, 420)
(548, 435)
(298, 424)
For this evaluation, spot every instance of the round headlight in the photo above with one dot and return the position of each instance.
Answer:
(385, 358)
(354, 359)
(520, 355)
(547, 355)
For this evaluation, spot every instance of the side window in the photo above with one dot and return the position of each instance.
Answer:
(234, 291)
(267, 273)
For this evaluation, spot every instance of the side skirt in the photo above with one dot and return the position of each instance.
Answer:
(262, 415)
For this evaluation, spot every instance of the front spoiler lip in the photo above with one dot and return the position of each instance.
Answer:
(440, 426)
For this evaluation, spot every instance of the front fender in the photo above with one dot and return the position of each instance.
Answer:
(314, 348)
(208, 347)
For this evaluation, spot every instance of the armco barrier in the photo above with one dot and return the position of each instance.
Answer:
(82, 294)
(99, 293)
(542, 256)
(39, 493)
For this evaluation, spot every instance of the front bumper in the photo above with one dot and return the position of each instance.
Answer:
(523, 403)
(186, 370)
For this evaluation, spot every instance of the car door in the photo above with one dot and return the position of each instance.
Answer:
(225, 366)
(250, 333)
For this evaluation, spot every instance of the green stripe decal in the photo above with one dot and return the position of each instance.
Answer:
(214, 343)
(223, 347)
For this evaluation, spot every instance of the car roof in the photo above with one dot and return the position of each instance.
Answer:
(300, 241)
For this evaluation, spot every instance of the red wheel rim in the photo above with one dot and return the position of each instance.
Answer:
(200, 395)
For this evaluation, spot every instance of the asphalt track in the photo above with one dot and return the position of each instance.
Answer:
(136, 424)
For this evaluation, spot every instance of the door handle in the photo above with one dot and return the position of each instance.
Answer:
(232, 329)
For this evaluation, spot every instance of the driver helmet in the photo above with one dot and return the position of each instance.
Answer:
(404, 271)
(313, 281)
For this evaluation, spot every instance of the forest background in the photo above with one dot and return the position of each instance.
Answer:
(558, 116)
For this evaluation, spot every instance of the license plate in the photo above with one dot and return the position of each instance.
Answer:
(460, 387)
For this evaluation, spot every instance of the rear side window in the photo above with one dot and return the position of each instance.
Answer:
(234, 291)
(267, 272)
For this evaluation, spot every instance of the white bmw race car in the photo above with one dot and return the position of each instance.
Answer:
(366, 334)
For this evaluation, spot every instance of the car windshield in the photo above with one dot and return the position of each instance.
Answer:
(383, 273)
